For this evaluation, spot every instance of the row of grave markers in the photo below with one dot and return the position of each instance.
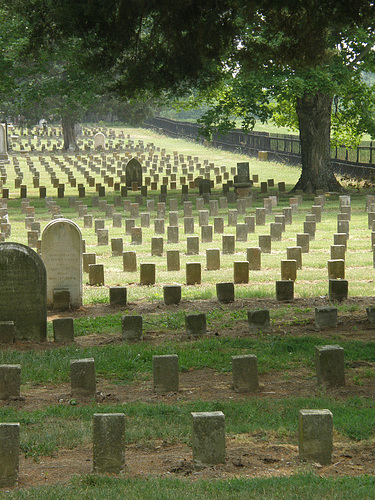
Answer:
(315, 441)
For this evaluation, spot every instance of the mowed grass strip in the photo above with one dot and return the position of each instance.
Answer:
(298, 486)
(123, 362)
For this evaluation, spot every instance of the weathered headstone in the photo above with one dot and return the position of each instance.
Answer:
(109, 442)
(133, 172)
(315, 435)
(23, 292)
(208, 438)
(62, 256)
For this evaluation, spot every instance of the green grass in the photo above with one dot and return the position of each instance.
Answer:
(67, 424)
(124, 362)
(305, 485)
(45, 431)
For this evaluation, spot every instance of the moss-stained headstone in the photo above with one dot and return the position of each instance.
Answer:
(23, 290)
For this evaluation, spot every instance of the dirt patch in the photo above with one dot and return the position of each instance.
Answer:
(248, 455)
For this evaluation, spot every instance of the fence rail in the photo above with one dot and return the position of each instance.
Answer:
(358, 162)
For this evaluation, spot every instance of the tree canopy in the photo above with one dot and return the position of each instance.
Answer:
(294, 60)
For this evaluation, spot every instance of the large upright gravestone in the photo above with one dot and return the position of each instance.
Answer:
(3, 142)
(133, 172)
(23, 291)
(62, 256)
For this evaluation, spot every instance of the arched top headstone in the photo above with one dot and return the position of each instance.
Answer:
(23, 291)
(99, 140)
(62, 255)
(133, 172)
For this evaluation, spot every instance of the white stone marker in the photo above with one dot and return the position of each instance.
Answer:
(62, 256)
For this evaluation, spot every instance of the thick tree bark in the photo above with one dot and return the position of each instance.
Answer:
(314, 117)
(70, 140)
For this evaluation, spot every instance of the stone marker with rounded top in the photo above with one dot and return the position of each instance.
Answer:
(62, 256)
(329, 365)
(23, 291)
(165, 373)
(208, 438)
(315, 436)
(9, 452)
(245, 373)
(109, 442)
(82, 377)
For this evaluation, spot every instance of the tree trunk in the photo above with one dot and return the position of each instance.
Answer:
(314, 117)
(70, 140)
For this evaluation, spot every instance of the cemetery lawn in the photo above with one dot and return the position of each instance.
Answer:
(261, 428)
